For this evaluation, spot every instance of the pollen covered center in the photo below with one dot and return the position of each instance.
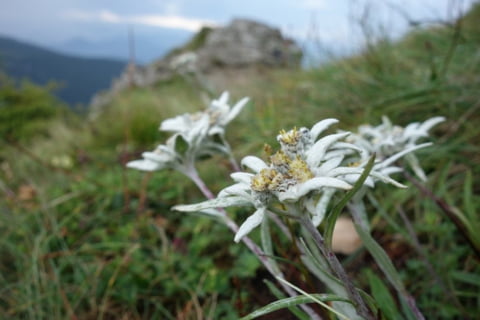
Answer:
(267, 179)
(299, 170)
(290, 138)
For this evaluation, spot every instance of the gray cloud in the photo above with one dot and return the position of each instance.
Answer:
(47, 20)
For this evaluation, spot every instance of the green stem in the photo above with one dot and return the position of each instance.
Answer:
(337, 267)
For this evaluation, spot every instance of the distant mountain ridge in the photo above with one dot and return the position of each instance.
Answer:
(80, 77)
(148, 46)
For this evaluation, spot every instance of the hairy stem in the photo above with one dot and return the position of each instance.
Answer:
(337, 267)
(231, 158)
(193, 175)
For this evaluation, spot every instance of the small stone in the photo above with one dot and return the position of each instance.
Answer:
(345, 238)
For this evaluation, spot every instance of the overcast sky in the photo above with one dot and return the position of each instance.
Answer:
(53, 21)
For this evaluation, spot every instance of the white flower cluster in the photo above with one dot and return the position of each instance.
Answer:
(219, 114)
(304, 171)
(198, 130)
(391, 142)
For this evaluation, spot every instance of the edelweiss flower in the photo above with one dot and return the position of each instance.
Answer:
(219, 114)
(193, 128)
(166, 156)
(197, 130)
(305, 167)
(238, 194)
(391, 142)
(300, 171)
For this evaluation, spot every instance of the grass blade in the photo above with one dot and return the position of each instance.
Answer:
(293, 301)
(332, 217)
(279, 295)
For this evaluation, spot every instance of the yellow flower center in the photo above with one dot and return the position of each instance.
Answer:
(266, 179)
(267, 149)
(280, 159)
(291, 137)
(299, 170)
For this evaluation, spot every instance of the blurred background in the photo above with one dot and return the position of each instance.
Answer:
(85, 84)
(92, 29)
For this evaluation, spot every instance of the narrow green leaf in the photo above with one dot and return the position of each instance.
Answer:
(382, 296)
(371, 303)
(387, 267)
(381, 258)
(442, 180)
(293, 301)
(466, 277)
(279, 295)
(468, 201)
(267, 244)
(332, 217)
(314, 299)
(317, 264)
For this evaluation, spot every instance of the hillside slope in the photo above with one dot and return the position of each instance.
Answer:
(80, 78)
(84, 237)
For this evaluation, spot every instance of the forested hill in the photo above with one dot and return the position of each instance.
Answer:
(80, 78)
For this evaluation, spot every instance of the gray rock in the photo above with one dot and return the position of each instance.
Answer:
(241, 44)
(245, 43)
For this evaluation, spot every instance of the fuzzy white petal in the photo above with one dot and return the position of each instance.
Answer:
(400, 154)
(235, 111)
(415, 165)
(214, 203)
(157, 157)
(178, 124)
(238, 189)
(211, 212)
(340, 171)
(391, 170)
(321, 126)
(321, 207)
(316, 153)
(198, 131)
(216, 130)
(353, 178)
(298, 191)
(331, 164)
(336, 153)
(251, 223)
(254, 163)
(430, 123)
(386, 179)
(413, 130)
(144, 165)
(345, 145)
(223, 99)
(243, 177)
(170, 144)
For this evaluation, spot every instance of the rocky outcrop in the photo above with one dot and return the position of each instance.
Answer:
(243, 43)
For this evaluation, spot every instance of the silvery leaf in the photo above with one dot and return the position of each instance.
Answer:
(251, 223)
